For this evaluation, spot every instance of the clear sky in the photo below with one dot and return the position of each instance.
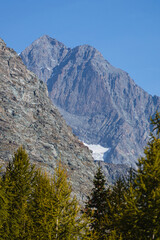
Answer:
(126, 32)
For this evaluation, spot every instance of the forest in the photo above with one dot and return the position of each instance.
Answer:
(35, 205)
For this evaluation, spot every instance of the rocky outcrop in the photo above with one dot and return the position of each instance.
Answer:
(43, 55)
(28, 118)
(101, 103)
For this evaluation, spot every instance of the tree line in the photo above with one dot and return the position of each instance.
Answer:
(130, 209)
(34, 205)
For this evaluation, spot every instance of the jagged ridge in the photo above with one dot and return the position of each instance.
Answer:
(101, 103)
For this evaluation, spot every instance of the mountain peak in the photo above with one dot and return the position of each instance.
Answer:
(44, 54)
(44, 38)
(47, 38)
(101, 103)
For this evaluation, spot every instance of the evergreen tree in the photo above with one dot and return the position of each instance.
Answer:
(114, 236)
(97, 204)
(156, 124)
(42, 208)
(55, 213)
(18, 183)
(115, 205)
(141, 218)
(67, 213)
(3, 212)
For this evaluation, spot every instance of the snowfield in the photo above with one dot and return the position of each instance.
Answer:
(98, 152)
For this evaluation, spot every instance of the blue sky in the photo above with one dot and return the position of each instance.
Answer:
(126, 32)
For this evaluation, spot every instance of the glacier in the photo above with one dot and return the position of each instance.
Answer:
(98, 152)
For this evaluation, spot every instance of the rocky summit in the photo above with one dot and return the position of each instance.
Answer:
(28, 118)
(43, 55)
(101, 103)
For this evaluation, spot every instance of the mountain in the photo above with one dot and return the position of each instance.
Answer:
(101, 103)
(28, 118)
(43, 55)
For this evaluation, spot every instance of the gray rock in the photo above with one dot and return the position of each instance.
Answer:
(28, 118)
(113, 171)
(101, 103)
(43, 55)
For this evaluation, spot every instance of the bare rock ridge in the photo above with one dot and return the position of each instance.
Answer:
(101, 103)
(28, 117)
(43, 55)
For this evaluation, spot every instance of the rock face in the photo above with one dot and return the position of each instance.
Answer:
(28, 118)
(43, 55)
(101, 103)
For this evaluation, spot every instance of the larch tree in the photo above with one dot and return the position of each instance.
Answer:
(42, 208)
(3, 212)
(55, 213)
(141, 217)
(18, 182)
(68, 223)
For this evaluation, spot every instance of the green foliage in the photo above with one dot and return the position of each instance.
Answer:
(3, 212)
(141, 217)
(68, 222)
(115, 206)
(156, 123)
(96, 205)
(55, 213)
(104, 207)
(34, 206)
(114, 236)
(66, 209)
(18, 183)
(41, 208)
(131, 208)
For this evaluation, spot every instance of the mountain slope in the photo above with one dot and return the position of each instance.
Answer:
(28, 117)
(102, 104)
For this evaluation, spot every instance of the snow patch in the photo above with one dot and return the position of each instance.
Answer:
(98, 152)
(45, 68)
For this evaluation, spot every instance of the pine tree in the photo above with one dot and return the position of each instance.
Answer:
(115, 205)
(97, 204)
(18, 184)
(141, 217)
